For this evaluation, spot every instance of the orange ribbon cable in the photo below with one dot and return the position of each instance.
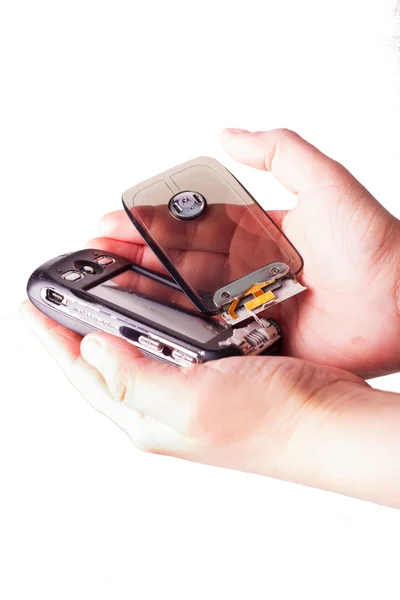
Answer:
(259, 298)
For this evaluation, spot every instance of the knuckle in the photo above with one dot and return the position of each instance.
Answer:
(117, 383)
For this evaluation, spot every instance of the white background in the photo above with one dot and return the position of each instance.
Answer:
(95, 97)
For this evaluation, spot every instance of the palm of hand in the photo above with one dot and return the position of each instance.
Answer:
(348, 317)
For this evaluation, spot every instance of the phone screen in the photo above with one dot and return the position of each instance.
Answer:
(159, 304)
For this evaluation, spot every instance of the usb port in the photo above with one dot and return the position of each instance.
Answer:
(54, 297)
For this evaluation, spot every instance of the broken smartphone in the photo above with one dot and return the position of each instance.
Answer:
(215, 240)
(93, 290)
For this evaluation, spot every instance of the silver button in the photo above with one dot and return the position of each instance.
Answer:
(150, 344)
(182, 358)
(88, 269)
(104, 260)
(72, 275)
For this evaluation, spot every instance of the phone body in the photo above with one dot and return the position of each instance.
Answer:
(92, 290)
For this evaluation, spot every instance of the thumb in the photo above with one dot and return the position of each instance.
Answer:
(297, 164)
(335, 215)
(158, 389)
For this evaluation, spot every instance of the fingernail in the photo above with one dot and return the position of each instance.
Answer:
(92, 351)
(236, 130)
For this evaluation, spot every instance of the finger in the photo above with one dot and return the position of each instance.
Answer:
(212, 233)
(200, 269)
(296, 163)
(137, 253)
(117, 225)
(64, 346)
(159, 390)
(277, 216)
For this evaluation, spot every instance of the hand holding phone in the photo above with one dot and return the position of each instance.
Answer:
(222, 251)
(240, 414)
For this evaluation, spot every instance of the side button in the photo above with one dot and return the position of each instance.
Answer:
(150, 344)
(181, 358)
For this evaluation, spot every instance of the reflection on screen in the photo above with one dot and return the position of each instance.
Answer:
(159, 304)
(228, 242)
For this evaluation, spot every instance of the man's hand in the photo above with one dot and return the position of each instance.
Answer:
(350, 315)
(276, 416)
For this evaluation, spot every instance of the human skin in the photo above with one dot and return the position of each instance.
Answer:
(276, 416)
(293, 417)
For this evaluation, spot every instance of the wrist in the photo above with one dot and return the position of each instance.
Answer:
(360, 449)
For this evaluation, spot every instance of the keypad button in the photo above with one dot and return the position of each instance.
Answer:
(88, 269)
(104, 260)
(72, 275)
